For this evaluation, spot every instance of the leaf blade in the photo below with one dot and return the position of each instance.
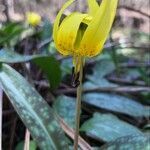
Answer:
(33, 110)
(116, 103)
(108, 127)
(128, 142)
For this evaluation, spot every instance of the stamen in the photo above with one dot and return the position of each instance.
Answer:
(75, 78)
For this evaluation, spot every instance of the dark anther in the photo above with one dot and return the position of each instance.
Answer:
(75, 78)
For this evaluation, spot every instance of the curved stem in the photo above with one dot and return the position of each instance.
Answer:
(78, 105)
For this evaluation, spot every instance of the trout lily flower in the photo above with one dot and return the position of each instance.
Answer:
(84, 34)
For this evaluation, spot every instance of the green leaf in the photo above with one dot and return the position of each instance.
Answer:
(63, 105)
(46, 36)
(49, 65)
(9, 56)
(102, 68)
(46, 30)
(10, 31)
(101, 82)
(108, 127)
(116, 103)
(66, 66)
(52, 49)
(20, 146)
(128, 143)
(35, 113)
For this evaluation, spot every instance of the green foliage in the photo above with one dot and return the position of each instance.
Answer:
(33, 110)
(108, 127)
(102, 68)
(62, 106)
(117, 103)
(46, 30)
(20, 146)
(46, 36)
(133, 142)
(9, 33)
(9, 56)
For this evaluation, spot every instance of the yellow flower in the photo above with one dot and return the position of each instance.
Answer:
(33, 18)
(84, 34)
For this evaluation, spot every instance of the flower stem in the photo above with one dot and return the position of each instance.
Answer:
(78, 105)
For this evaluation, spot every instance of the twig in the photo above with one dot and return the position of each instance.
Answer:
(134, 65)
(27, 140)
(135, 10)
(127, 89)
(127, 43)
(127, 82)
(119, 89)
(70, 132)
(6, 11)
(43, 43)
(146, 48)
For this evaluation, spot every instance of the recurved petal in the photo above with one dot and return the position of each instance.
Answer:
(93, 7)
(58, 17)
(98, 29)
(67, 33)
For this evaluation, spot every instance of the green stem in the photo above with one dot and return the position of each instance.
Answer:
(78, 105)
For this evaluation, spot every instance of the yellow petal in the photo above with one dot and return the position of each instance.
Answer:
(98, 29)
(57, 20)
(67, 33)
(93, 7)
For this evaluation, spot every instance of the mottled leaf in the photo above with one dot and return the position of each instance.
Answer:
(116, 103)
(129, 143)
(108, 127)
(8, 56)
(46, 37)
(33, 110)
(100, 70)
(103, 68)
(65, 107)
(10, 31)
